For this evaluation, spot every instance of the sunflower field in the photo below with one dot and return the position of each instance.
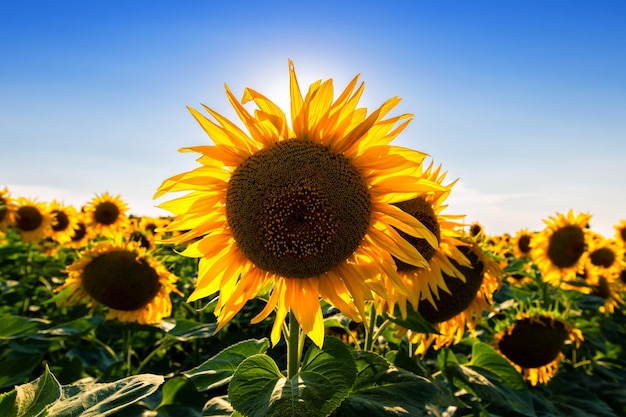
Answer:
(308, 269)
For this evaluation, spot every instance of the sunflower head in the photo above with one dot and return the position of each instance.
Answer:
(32, 219)
(106, 214)
(124, 278)
(605, 257)
(65, 220)
(620, 232)
(300, 206)
(534, 342)
(558, 249)
(521, 243)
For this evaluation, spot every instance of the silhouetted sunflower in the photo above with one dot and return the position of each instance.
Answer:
(558, 249)
(302, 208)
(124, 278)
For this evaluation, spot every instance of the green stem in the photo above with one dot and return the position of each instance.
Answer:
(369, 329)
(127, 350)
(293, 346)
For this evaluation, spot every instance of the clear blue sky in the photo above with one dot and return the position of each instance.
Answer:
(524, 101)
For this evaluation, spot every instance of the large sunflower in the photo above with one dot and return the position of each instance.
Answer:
(105, 214)
(32, 219)
(7, 208)
(533, 343)
(303, 208)
(123, 277)
(558, 249)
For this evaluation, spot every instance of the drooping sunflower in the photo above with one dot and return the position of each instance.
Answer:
(64, 221)
(123, 277)
(425, 283)
(533, 343)
(302, 208)
(32, 219)
(7, 208)
(476, 231)
(458, 310)
(105, 214)
(559, 247)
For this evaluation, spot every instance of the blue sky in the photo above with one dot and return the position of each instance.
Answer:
(523, 101)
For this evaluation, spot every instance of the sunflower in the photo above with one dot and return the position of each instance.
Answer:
(65, 220)
(136, 231)
(425, 282)
(81, 234)
(608, 290)
(7, 208)
(521, 243)
(106, 214)
(32, 219)
(533, 343)
(303, 209)
(476, 231)
(124, 278)
(620, 232)
(604, 257)
(461, 306)
(558, 249)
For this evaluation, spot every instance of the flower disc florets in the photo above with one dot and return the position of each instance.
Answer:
(297, 209)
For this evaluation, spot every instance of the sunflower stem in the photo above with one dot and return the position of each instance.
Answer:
(294, 347)
(127, 350)
(370, 328)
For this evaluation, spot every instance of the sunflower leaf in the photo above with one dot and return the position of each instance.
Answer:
(103, 399)
(31, 399)
(219, 369)
(383, 390)
(258, 388)
(490, 377)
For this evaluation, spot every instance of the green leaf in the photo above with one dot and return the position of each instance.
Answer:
(74, 328)
(31, 399)
(490, 377)
(413, 321)
(8, 406)
(325, 379)
(219, 407)
(103, 399)
(383, 390)
(219, 369)
(16, 326)
(186, 330)
(15, 370)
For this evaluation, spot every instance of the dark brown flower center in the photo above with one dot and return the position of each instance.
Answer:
(523, 244)
(603, 257)
(297, 209)
(120, 280)
(79, 232)
(534, 343)
(28, 218)
(566, 246)
(475, 229)
(622, 234)
(106, 213)
(423, 211)
(461, 293)
(62, 220)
